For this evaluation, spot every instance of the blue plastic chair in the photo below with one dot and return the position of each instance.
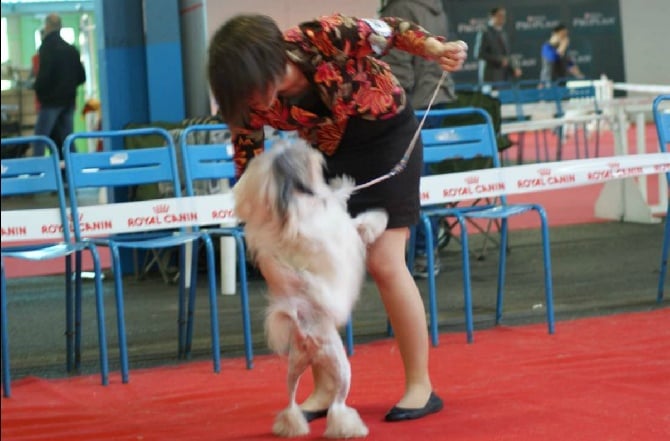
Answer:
(203, 161)
(662, 120)
(34, 175)
(128, 168)
(532, 92)
(586, 93)
(465, 142)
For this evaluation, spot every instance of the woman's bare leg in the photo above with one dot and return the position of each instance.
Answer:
(404, 306)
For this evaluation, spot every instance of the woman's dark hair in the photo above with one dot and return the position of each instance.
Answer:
(246, 54)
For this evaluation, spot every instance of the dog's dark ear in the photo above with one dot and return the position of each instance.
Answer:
(292, 175)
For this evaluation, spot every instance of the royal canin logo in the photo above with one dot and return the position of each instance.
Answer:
(544, 171)
(472, 180)
(161, 208)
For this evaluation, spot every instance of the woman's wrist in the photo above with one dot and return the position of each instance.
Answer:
(434, 46)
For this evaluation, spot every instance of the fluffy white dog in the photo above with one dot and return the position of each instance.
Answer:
(292, 215)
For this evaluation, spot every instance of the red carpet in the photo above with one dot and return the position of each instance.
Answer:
(604, 378)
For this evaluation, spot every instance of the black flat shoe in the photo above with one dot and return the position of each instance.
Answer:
(311, 415)
(433, 405)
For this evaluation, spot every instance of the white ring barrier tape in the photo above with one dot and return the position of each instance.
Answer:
(654, 89)
(37, 224)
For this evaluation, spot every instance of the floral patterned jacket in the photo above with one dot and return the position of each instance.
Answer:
(336, 54)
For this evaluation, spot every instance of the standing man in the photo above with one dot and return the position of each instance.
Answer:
(419, 77)
(60, 73)
(493, 51)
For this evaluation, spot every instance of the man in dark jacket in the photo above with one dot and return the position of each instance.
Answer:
(418, 76)
(59, 75)
(493, 51)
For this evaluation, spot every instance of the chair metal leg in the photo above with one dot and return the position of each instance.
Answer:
(664, 258)
(430, 262)
(548, 285)
(502, 266)
(467, 286)
(6, 378)
(597, 138)
(520, 146)
(244, 300)
(156, 257)
(77, 308)
(120, 314)
(190, 308)
(559, 143)
(411, 249)
(69, 315)
(213, 304)
(100, 315)
(349, 337)
(577, 142)
(585, 135)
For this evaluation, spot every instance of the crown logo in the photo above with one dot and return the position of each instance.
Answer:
(544, 171)
(81, 217)
(161, 208)
(613, 164)
(472, 180)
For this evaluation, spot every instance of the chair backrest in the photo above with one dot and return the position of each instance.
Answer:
(585, 93)
(507, 96)
(120, 168)
(661, 111)
(34, 175)
(461, 141)
(205, 161)
(530, 92)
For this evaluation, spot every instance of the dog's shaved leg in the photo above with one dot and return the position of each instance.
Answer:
(291, 422)
(343, 421)
(336, 366)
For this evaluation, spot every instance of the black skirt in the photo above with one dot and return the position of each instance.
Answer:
(370, 149)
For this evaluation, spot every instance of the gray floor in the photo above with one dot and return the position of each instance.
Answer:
(598, 269)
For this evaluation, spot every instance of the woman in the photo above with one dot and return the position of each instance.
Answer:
(321, 79)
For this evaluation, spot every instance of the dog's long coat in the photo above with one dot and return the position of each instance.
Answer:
(293, 216)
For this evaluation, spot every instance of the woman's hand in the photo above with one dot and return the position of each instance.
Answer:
(449, 55)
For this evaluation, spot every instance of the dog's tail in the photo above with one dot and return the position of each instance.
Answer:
(283, 321)
(371, 224)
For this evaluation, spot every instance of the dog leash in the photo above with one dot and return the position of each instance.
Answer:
(400, 166)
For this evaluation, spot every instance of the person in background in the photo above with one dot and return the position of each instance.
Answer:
(556, 63)
(493, 51)
(59, 75)
(322, 78)
(420, 77)
(34, 68)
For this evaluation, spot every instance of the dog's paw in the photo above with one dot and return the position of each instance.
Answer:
(342, 187)
(371, 224)
(290, 423)
(344, 422)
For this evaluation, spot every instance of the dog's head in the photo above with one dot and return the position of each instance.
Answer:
(275, 180)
